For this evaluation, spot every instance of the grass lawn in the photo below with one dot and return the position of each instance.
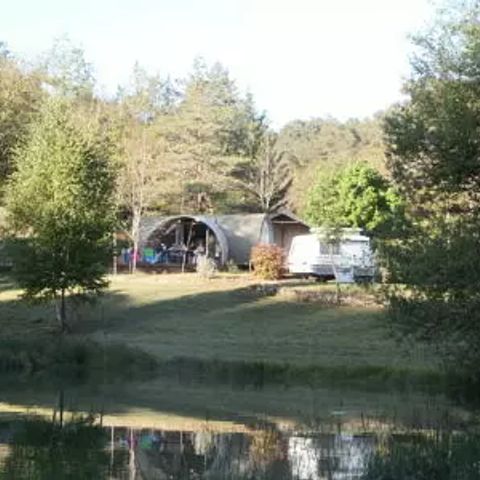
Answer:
(173, 316)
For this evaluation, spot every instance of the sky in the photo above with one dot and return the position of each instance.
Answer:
(299, 58)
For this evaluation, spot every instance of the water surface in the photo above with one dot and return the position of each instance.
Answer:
(170, 429)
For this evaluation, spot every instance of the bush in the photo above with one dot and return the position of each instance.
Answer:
(232, 267)
(268, 261)
(206, 267)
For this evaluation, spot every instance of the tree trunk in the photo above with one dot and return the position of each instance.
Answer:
(61, 308)
(135, 256)
(135, 234)
(61, 406)
(115, 258)
(338, 294)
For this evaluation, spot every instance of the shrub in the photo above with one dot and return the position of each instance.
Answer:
(232, 267)
(267, 261)
(206, 267)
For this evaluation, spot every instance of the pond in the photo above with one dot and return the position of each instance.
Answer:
(171, 429)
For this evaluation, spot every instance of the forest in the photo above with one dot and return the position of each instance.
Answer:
(196, 144)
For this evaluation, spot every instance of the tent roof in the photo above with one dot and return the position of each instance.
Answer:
(236, 233)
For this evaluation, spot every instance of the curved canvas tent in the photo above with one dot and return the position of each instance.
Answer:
(159, 227)
(234, 235)
(243, 232)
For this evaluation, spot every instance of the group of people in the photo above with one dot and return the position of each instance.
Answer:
(153, 255)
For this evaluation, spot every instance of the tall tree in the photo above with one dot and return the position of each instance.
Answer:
(60, 201)
(143, 110)
(266, 178)
(434, 155)
(67, 71)
(212, 127)
(142, 177)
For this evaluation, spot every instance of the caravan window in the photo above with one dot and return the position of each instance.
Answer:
(330, 248)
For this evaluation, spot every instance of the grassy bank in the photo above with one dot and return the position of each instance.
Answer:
(225, 325)
(77, 359)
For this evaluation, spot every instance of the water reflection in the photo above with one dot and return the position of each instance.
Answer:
(44, 450)
(156, 430)
(80, 448)
(265, 454)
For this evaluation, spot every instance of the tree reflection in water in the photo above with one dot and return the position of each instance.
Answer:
(79, 447)
(44, 450)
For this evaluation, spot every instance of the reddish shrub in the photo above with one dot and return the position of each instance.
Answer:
(267, 261)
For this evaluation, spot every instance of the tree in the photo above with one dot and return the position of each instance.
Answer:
(210, 130)
(142, 173)
(42, 448)
(328, 145)
(60, 203)
(148, 96)
(20, 97)
(433, 146)
(266, 178)
(143, 107)
(67, 71)
(434, 154)
(356, 196)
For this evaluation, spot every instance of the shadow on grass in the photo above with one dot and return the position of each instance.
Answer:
(116, 312)
(226, 331)
(227, 337)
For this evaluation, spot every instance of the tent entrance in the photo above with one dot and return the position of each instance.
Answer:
(180, 241)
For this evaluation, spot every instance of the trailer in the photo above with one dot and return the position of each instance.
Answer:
(346, 256)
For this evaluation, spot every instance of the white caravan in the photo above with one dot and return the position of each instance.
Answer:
(348, 258)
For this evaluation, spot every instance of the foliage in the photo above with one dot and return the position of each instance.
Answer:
(433, 155)
(146, 96)
(206, 267)
(142, 151)
(43, 449)
(196, 144)
(432, 139)
(439, 302)
(440, 456)
(67, 71)
(356, 196)
(329, 145)
(211, 128)
(60, 203)
(20, 97)
(268, 261)
(267, 177)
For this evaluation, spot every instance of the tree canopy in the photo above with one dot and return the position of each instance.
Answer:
(328, 145)
(60, 206)
(355, 196)
(433, 155)
(20, 98)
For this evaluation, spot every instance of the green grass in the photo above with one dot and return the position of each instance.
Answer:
(181, 317)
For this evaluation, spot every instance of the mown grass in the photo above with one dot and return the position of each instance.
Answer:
(181, 318)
